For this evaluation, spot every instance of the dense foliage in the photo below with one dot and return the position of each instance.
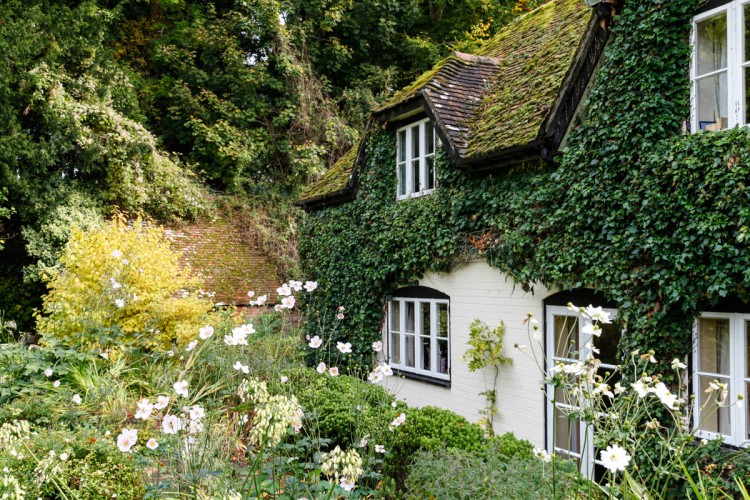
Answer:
(653, 218)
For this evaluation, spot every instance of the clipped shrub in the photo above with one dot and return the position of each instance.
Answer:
(460, 474)
(121, 285)
(508, 445)
(341, 409)
(429, 428)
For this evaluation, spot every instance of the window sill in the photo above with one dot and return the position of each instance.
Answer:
(418, 194)
(422, 378)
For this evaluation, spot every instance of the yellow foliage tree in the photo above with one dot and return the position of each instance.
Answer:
(121, 286)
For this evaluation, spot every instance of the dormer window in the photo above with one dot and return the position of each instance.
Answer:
(415, 160)
(721, 67)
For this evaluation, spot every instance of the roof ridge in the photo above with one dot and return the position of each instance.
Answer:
(475, 58)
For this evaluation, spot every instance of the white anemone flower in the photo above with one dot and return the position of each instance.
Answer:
(345, 348)
(206, 332)
(333, 371)
(377, 346)
(346, 484)
(640, 388)
(171, 424)
(321, 368)
(399, 420)
(77, 399)
(240, 367)
(678, 365)
(288, 302)
(665, 396)
(295, 285)
(144, 409)
(120, 303)
(48, 372)
(315, 342)
(181, 388)
(261, 300)
(152, 444)
(161, 402)
(284, 290)
(310, 285)
(379, 448)
(615, 458)
(127, 439)
(598, 314)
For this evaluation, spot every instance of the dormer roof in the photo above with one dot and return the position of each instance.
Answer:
(513, 99)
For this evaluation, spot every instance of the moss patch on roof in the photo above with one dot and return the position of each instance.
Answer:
(413, 88)
(535, 53)
(336, 179)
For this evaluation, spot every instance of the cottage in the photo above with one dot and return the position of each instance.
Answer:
(473, 196)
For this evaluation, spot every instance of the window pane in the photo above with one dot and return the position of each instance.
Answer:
(567, 432)
(442, 356)
(402, 179)
(442, 320)
(429, 137)
(430, 172)
(711, 98)
(395, 315)
(425, 345)
(409, 355)
(747, 32)
(417, 184)
(711, 52)
(396, 348)
(747, 412)
(714, 345)
(415, 142)
(747, 94)
(566, 336)
(409, 327)
(402, 146)
(425, 307)
(747, 351)
(712, 417)
(607, 344)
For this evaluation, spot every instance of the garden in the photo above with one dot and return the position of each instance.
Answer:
(139, 387)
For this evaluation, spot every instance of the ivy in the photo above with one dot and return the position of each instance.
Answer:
(651, 217)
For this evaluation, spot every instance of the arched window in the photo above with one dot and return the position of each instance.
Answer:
(418, 335)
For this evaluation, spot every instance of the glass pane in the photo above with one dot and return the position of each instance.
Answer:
(429, 136)
(442, 320)
(567, 432)
(430, 172)
(711, 52)
(747, 351)
(747, 94)
(714, 345)
(426, 352)
(409, 327)
(711, 98)
(607, 344)
(416, 185)
(415, 142)
(712, 418)
(442, 356)
(563, 396)
(747, 32)
(425, 307)
(395, 315)
(402, 146)
(396, 348)
(409, 355)
(566, 337)
(402, 179)
(747, 412)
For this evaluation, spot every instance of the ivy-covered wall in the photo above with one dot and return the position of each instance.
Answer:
(653, 218)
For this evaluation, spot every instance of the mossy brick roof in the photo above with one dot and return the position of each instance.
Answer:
(497, 100)
(228, 258)
(335, 180)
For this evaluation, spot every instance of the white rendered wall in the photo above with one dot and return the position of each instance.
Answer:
(478, 291)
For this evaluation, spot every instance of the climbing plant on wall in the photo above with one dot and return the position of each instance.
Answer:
(653, 218)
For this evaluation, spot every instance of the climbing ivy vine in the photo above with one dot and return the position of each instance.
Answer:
(653, 218)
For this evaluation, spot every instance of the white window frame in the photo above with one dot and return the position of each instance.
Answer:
(411, 190)
(434, 323)
(737, 378)
(735, 65)
(587, 456)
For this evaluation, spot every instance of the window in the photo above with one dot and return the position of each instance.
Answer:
(566, 343)
(721, 353)
(721, 67)
(415, 162)
(418, 335)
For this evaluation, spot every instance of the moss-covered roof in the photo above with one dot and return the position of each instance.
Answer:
(496, 100)
(335, 180)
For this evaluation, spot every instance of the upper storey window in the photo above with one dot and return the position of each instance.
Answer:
(721, 67)
(415, 161)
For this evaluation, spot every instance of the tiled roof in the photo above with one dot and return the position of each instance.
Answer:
(229, 260)
(516, 93)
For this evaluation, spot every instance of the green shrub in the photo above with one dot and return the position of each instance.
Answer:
(460, 474)
(508, 445)
(92, 468)
(430, 429)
